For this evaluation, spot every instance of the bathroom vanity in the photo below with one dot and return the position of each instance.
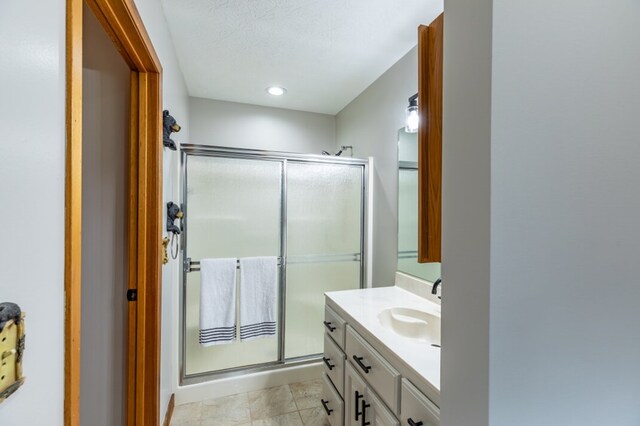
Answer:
(381, 358)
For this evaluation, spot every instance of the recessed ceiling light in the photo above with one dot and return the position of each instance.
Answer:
(276, 91)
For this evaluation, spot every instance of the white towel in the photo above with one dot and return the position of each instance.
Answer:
(217, 301)
(258, 289)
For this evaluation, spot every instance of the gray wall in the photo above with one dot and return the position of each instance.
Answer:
(370, 123)
(466, 188)
(238, 125)
(32, 108)
(565, 205)
(105, 128)
(562, 289)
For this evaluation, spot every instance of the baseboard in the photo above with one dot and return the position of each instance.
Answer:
(170, 406)
(247, 383)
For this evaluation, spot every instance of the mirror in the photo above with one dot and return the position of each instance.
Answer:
(408, 210)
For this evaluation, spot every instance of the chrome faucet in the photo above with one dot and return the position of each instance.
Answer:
(434, 289)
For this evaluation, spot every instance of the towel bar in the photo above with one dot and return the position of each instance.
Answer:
(194, 265)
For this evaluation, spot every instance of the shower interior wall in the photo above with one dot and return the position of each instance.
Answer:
(236, 125)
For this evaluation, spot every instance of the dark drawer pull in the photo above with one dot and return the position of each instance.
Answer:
(358, 360)
(357, 404)
(364, 413)
(326, 361)
(328, 325)
(412, 423)
(326, 408)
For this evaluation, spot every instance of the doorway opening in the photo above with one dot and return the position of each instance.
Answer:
(140, 232)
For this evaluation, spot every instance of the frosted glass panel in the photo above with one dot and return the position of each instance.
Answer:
(323, 208)
(324, 219)
(306, 285)
(233, 207)
(233, 210)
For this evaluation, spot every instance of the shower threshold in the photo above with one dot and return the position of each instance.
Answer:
(192, 379)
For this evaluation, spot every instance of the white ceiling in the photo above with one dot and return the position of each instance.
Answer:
(324, 52)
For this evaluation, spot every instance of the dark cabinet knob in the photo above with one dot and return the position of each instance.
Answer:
(329, 326)
(328, 364)
(413, 423)
(325, 404)
(357, 404)
(358, 360)
(364, 413)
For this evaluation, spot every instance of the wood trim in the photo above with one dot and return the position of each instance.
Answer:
(122, 22)
(430, 53)
(149, 253)
(170, 407)
(73, 213)
(132, 230)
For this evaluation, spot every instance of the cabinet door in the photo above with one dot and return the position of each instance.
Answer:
(375, 412)
(354, 393)
(417, 408)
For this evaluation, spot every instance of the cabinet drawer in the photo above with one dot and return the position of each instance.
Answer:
(334, 326)
(417, 407)
(378, 373)
(332, 403)
(334, 364)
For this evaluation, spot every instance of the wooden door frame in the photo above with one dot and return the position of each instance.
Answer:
(121, 21)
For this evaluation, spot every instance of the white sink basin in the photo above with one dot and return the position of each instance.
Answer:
(412, 324)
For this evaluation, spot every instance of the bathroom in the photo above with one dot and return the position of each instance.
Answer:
(535, 319)
(301, 176)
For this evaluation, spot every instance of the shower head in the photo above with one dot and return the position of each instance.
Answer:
(339, 153)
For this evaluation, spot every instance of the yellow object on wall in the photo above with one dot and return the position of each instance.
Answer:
(12, 342)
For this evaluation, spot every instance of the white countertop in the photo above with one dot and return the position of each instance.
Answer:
(364, 305)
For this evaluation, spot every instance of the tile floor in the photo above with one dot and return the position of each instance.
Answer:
(297, 404)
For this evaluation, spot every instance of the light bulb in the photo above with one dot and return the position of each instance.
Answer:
(411, 124)
(276, 91)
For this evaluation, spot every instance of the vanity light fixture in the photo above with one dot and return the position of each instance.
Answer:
(276, 90)
(412, 118)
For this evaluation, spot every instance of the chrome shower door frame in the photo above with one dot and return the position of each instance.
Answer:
(283, 158)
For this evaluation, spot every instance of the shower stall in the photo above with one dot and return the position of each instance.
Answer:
(307, 210)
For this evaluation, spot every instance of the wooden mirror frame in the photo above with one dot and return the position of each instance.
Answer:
(430, 49)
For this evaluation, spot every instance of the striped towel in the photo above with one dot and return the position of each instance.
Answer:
(217, 301)
(258, 290)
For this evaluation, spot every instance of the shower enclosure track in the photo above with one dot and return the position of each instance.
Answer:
(189, 265)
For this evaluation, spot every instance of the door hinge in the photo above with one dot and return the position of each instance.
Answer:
(132, 295)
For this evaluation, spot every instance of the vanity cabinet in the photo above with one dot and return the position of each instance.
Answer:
(362, 387)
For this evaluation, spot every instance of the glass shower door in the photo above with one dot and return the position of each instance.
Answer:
(324, 246)
(234, 210)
